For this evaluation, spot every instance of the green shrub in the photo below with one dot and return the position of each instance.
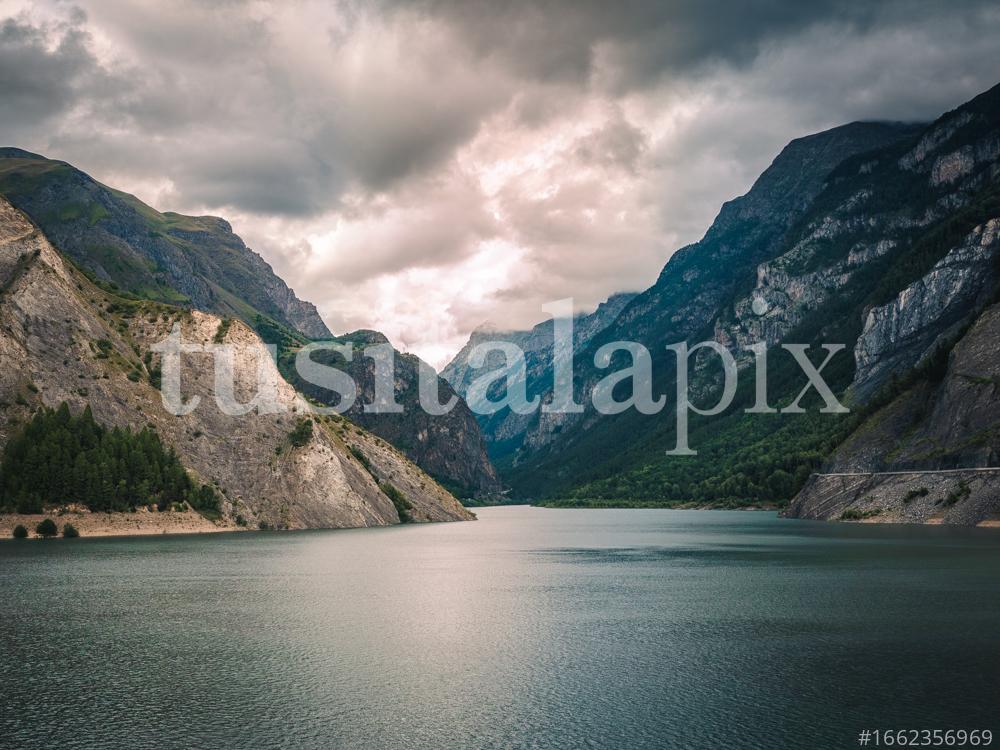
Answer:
(155, 376)
(403, 506)
(959, 493)
(47, 528)
(70, 532)
(205, 500)
(853, 514)
(20, 532)
(302, 433)
(362, 459)
(222, 330)
(914, 494)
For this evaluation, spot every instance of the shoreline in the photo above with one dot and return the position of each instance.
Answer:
(100, 524)
(992, 522)
(584, 505)
(146, 523)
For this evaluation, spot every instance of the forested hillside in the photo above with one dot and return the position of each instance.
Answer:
(60, 458)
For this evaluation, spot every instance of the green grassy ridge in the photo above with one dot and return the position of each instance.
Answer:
(193, 261)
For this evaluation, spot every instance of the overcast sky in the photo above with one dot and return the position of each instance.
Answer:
(423, 167)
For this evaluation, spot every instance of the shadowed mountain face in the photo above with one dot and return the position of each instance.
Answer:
(448, 446)
(193, 261)
(877, 236)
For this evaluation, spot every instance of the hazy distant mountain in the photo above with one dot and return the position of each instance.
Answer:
(537, 345)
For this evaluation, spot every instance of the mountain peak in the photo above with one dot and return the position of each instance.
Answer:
(366, 336)
(12, 152)
(164, 256)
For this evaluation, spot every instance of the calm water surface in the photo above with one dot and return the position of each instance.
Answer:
(529, 628)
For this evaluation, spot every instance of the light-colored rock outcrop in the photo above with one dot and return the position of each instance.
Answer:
(896, 336)
(963, 498)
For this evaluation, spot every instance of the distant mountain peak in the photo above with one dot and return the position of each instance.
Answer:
(366, 336)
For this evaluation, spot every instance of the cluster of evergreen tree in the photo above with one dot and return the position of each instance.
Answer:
(60, 458)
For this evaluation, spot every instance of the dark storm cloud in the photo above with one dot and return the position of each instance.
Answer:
(618, 143)
(645, 39)
(224, 105)
(43, 71)
(522, 151)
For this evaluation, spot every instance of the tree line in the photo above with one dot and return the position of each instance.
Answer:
(59, 458)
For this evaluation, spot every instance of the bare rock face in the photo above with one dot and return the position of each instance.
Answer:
(961, 498)
(64, 339)
(448, 446)
(427, 500)
(898, 335)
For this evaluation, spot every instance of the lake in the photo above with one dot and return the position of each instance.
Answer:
(532, 627)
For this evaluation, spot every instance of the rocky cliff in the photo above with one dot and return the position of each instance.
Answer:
(898, 335)
(63, 338)
(930, 454)
(448, 446)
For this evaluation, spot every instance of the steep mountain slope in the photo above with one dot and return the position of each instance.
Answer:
(194, 261)
(878, 237)
(62, 338)
(904, 462)
(449, 447)
(564, 452)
